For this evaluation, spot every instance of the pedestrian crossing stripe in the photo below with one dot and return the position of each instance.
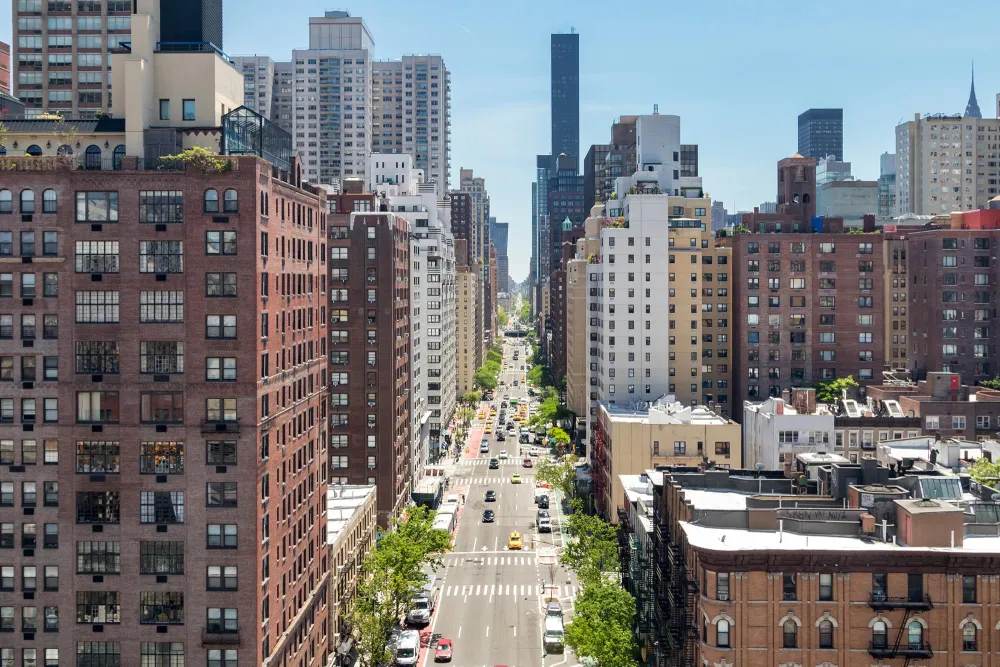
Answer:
(489, 560)
(516, 590)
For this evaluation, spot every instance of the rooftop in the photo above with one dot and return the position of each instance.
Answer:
(665, 410)
(342, 504)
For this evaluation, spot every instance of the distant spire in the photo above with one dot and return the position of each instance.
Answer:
(972, 108)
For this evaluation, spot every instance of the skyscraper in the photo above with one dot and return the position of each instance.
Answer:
(191, 21)
(498, 234)
(566, 94)
(821, 133)
(972, 108)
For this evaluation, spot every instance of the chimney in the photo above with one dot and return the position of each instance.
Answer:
(779, 406)
(867, 524)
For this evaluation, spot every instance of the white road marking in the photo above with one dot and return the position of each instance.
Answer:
(487, 631)
(460, 632)
(477, 590)
(508, 590)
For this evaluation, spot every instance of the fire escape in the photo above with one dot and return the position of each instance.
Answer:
(676, 603)
(905, 646)
(600, 470)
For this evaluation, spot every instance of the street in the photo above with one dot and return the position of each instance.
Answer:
(492, 598)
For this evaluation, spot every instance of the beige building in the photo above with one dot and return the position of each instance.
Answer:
(467, 294)
(896, 292)
(577, 344)
(351, 518)
(630, 441)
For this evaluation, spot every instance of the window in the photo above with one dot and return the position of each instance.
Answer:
(97, 256)
(6, 201)
(161, 654)
(98, 457)
(969, 637)
(220, 369)
(722, 634)
(220, 243)
(164, 109)
(826, 634)
(722, 586)
(230, 201)
(222, 658)
(969, 589)
(98, 557)
(161, 307)
(161, 206)
(27, 201)
(161, 607)
(220, 284)
(220, 410)
(220, 326)
(97, 607)
(722, 449)
(98, 654)
(221, 536)
(97, 507)
(97, 407)
(825, 586)
(97, 357)
(97, 307)
(161, 557)
(161, 407)
(161, 507)
(221, 578)
(161, 357)
(221, 452)
(187, 107)
(789, 582)
(97, 207)
(222, 620)
(790, 634)
(220, 494)
(161, 458)
(211, 201)
(161, 257)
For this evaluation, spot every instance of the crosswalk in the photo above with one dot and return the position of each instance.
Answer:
(479, 561)
(503, 479)
(516, 590)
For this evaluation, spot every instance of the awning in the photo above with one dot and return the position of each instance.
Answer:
(345, 646)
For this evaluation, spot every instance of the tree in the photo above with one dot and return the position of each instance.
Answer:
(484, 379)
(601, 628)
(502, 317)
(831, 391)
(991, 384)
(559, 437)
(525, 314)
(471, 398)
(985, 472)
(494, 356)
(535, 375)
(559, 475)
(593, 549)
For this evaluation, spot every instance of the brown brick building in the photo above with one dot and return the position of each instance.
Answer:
(809, 307)
(163, 442)
(953, 299)
(370, 349)
(946, 407)
(885, 570)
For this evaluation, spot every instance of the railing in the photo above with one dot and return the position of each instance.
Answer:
(881, 602)
(215, 638)
(905, 649)
(220, 427)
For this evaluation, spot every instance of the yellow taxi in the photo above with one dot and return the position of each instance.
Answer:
(515, 541)
(517, 418)
(489, 428)
(523, 379)
(515, 478)
(493, 412)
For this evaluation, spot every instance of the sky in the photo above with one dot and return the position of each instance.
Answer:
(737, 72)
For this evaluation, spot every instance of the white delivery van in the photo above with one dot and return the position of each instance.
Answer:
(408, 648)
(552, 637)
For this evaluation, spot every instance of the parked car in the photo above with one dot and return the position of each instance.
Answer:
(545, 525)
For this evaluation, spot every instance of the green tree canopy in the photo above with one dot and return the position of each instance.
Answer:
(985, 472)
(471, 397)
(494, 356)
(593, 549)
(484, 379)
(991, 384)
(601, 627)
(502, 317)
(525, 314)
(831, 391)
(559, 475)
(559, 437)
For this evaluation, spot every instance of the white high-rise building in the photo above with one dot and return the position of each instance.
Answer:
(258, 83)
(330, 91)
(433, 327)
(411, 100)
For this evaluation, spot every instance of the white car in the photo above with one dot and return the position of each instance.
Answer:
(502, 455)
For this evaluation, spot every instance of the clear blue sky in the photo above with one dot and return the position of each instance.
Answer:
(737, 72)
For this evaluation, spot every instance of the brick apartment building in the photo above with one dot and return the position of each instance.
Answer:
(162, 351)
(883, 569)
(808, 308)
(953, 300)
(5, 68)
(946, 407)
(370, 349)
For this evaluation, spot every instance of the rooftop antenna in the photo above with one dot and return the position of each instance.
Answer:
(572, 30)
(656, 109)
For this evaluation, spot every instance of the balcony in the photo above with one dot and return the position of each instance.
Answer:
(881, 602)
(905, 650)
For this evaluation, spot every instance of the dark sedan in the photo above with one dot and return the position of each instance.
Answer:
(489, 516)
(491, 496)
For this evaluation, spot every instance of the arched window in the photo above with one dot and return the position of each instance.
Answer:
(6, 201)
(826, 634)
(722, 634)
(34, 150)
(231, 202)
(27, 201)
(795, 198)
(211, 201)
(49, 201)
(969, 637)
(65, 149)
(915, 635)
(92, 159)
(118, 155)
(790, 633)
(879, 634)
(805, 198)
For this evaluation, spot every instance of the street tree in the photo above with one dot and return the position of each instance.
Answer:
(601, 627)
(484, 379)
(560, 475)
(471, 398)
(558, 437)
(592, 551)
(502, 317)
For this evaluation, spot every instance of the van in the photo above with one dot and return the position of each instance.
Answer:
(552, 637)
(541, 492)
(408, 648)
(420, 610)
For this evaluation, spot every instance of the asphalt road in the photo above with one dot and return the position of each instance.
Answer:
(491, 603)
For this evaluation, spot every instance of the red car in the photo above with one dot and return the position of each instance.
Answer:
(527, 463)
(442, 652)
